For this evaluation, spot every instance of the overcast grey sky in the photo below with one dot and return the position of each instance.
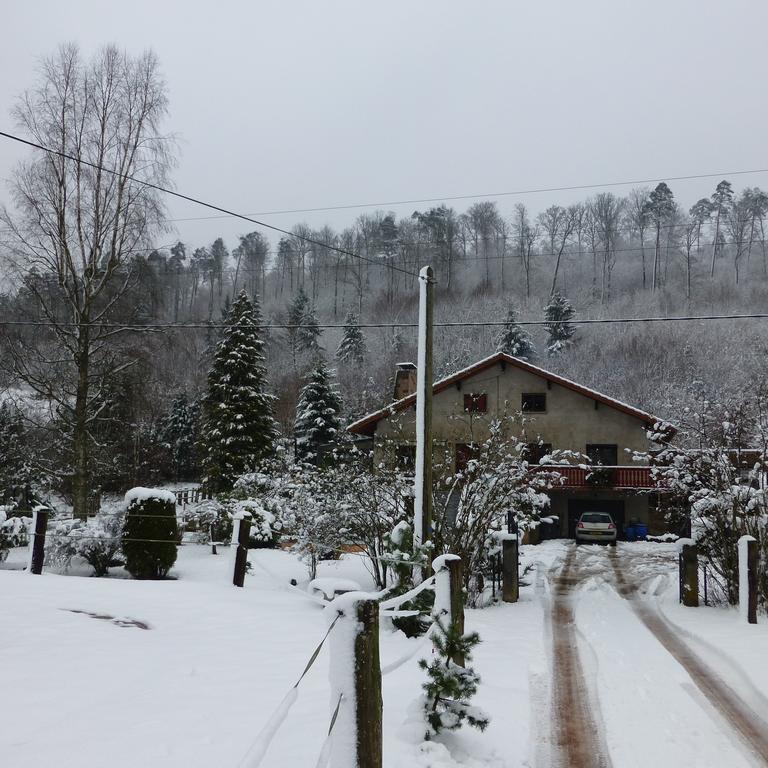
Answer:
(302, 104)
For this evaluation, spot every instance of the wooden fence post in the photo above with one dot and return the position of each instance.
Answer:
(357, 739)
(748, 578)
(240, 534)
(689, 575)
(449, 593)
(510, 569)
(37, 545)
(368, 686)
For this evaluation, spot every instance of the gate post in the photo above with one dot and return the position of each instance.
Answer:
(510, 569)
(37, 545)
(240, 540)
(748, 578)
(689, 575)
(355, 672)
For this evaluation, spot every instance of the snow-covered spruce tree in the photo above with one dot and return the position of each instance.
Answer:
(177, 433)
(308, 338)
(449, 687)
(318, 426)
(304, 333)
(558, 313)
(237, 425)
(514, 340)
(352, 347)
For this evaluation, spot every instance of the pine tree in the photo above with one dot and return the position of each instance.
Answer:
(317, 414)
(559, 313)
(308, 338)
(15, 472)
(449, 686)
(238, 429)
(177, 433)
(514, 340)
(352, 345)
(305, 338)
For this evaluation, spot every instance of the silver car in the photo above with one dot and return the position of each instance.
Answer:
(596, 527)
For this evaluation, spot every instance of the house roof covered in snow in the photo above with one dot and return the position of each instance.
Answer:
(367, 425)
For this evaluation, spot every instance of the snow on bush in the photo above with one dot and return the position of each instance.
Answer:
(719, 487)
(209, 521)
(150, 533)
(14, 531)
(97, 541)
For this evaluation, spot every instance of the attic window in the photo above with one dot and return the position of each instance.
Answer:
(475, 402)
(534, 402)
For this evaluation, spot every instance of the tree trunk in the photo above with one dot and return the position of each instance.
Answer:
(81, 475)
(715, 243)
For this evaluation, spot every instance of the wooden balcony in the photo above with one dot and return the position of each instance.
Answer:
(583, 477)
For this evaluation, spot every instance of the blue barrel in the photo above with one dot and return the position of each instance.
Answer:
(631, 533)
(641, 531)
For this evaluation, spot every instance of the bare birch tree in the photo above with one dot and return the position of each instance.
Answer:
(76, 230)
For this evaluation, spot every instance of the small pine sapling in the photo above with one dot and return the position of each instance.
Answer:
(449, 687)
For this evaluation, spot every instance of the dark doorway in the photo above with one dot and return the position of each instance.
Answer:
(614, 507)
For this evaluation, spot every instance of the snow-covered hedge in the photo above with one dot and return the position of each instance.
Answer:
(150, 533)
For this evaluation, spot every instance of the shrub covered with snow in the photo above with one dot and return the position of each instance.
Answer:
(265, 525)
(97, 541)
(150, 533)
(404, 559)
(209, 520)
(718, 487)
(14, 531)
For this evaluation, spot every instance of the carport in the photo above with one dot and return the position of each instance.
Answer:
(614, 507)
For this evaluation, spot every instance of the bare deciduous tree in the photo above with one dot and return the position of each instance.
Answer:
(77, 228)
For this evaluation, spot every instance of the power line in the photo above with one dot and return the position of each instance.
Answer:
(391, 325)
(484, 195)
(195, 200)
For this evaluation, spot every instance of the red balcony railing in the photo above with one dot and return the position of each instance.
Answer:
(600, 477)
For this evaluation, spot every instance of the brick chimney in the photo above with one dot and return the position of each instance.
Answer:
(405, 380)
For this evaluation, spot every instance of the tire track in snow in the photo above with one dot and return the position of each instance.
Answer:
(577, 736)
(752, 729)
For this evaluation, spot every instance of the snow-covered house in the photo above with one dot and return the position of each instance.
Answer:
(560, 415)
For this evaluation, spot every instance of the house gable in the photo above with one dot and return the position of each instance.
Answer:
(503, 380)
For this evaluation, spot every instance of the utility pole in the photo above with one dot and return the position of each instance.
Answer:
(422, 502)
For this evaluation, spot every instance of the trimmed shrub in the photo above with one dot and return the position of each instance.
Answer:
(150, 533)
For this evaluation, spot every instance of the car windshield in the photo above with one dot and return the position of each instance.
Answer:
(596, 517)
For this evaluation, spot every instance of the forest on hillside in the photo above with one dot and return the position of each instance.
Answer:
(612, 256)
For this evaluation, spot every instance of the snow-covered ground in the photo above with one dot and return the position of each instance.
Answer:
(195, 688)
(86, 684)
